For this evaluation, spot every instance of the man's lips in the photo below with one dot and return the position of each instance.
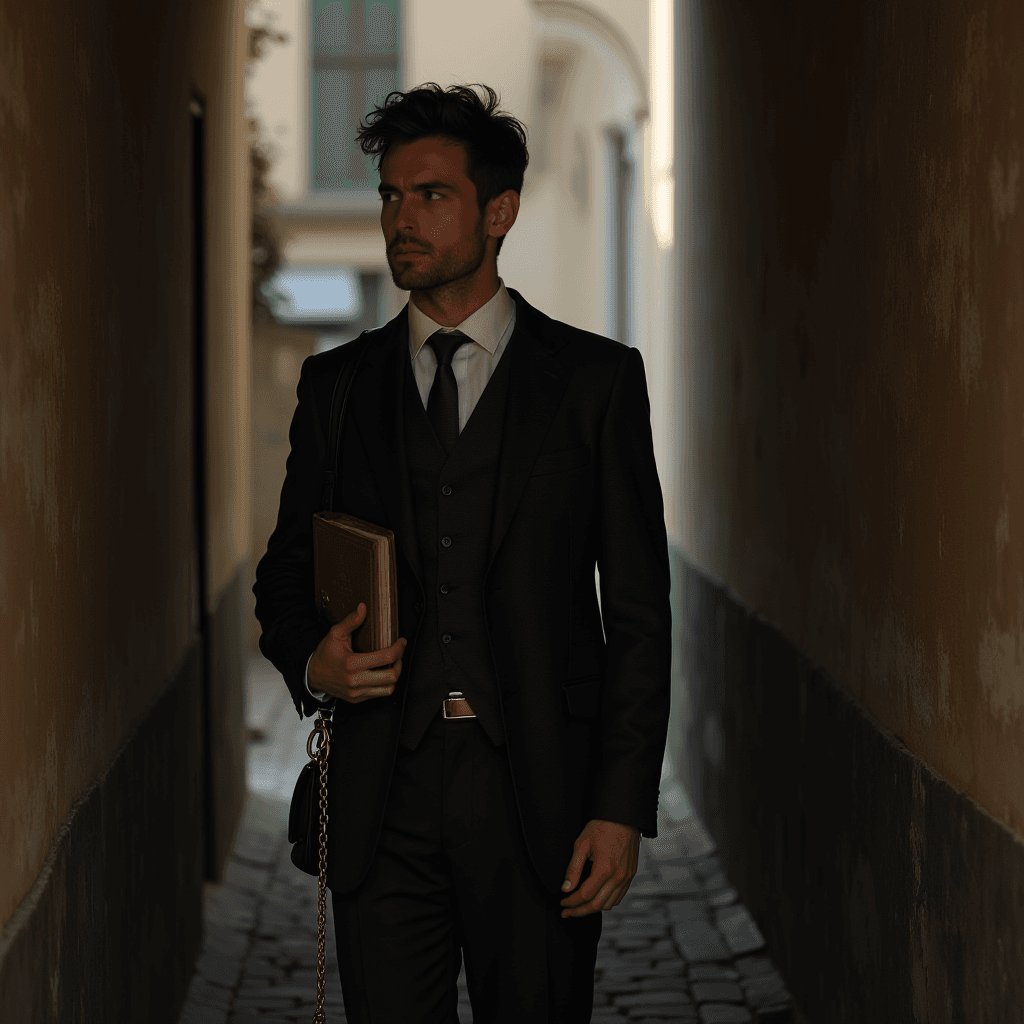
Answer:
(402, 250)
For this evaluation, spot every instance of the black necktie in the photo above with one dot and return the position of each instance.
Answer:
(443, 400)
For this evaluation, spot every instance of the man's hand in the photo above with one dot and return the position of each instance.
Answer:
(614, 850)
(337, 670)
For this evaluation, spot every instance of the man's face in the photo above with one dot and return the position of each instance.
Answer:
(433, 228)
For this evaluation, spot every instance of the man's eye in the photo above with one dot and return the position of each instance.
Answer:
(428, 194)
(385, 196)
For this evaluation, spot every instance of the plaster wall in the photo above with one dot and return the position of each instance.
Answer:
(853, 307)
(98, 606)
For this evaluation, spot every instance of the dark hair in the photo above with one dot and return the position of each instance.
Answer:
(494, 141)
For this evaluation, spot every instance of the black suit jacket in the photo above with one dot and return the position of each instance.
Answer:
(585, 710)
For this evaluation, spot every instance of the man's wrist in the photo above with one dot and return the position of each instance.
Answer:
(315, 694)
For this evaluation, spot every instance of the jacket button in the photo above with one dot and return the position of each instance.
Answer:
(447, 638)
(445, 588)
(446, 542)
(446, 490)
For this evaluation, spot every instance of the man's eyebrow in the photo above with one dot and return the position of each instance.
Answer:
(426, 186)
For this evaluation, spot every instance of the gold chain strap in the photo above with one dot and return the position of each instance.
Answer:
(322, 731)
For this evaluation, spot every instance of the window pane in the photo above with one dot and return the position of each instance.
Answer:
(350, 40)
(330, 29)
(381, 30)
(377, 83)
(333, 129)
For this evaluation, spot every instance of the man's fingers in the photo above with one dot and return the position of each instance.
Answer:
(572, 872)
(350, 623)
(375, 659)
(592, 901)
(599, 875)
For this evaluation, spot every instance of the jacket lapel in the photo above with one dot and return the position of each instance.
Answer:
(378, 414)
(537, 382)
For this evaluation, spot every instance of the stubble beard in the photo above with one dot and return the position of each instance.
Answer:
(448, 269)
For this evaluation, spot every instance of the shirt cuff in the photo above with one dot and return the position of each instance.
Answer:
(315, 694)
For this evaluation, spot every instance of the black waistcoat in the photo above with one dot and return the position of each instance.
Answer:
(453, 498)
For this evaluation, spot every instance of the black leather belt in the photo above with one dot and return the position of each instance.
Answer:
(456, 706)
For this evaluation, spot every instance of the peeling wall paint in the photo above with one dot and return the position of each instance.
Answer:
(97, 544)
(852, 355)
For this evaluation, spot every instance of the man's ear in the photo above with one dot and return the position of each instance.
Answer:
(502, 211)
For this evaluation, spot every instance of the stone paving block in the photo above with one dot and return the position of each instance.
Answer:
(639, 958)
(764, 983)
(689, 838)
(712, 972)
(714, 881)
(655, 998)
(643, 905)
(203, 993)
(677, 984)
(686, 1017)
(670, 967)
(723, 897)
(680, 911)
(766, 992)
(223, 941)
(753, 966)
(699, 942)
(740, 931)
(724, 1013)
(243, 1003)
(245, 878)
(228, 909)
(664, 847)
(664, 949)
(614, 987)
(704, 866)
(649, 914)
(678, 878)
(716, 992)
(653, 887)
(221, 970)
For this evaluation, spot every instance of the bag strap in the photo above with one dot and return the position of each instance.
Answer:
(323, 726)
(337, 419)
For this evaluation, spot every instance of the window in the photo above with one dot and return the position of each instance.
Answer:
(354, 66)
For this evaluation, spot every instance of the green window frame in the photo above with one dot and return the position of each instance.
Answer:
(354, 48)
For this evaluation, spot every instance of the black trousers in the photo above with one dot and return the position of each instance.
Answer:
(451, 878)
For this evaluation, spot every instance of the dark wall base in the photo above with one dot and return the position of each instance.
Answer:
(884, 893)
(227, 717)
(113, 924)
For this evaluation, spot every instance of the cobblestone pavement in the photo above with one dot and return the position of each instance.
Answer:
(678, 948)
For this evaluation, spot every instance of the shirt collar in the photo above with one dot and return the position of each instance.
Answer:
(485, 326)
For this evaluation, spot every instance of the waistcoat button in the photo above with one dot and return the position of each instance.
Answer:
(445, 588)
(446, 542)
(446, 490)
(447, 638)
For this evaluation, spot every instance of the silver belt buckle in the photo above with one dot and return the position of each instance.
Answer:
(454, 695)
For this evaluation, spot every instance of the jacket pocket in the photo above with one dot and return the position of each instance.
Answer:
(582, 697)
(561, 461)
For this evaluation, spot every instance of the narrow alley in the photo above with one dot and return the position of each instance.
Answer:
(684, 350)
(680, 947)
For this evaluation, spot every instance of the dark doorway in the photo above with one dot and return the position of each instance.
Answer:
(201, 610)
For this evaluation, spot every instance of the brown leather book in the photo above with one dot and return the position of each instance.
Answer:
(354, 561)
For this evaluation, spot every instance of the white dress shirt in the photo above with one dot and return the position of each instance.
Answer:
(489, 329)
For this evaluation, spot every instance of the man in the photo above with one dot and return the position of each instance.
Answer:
(512, 739)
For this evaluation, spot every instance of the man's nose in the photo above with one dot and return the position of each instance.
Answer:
(404, 215)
